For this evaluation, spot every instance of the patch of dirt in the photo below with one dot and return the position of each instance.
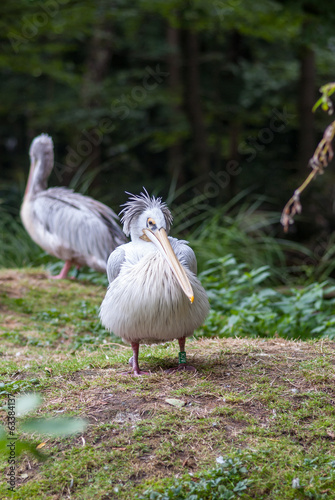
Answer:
(232, 373)
(10, 322)
(14, 282)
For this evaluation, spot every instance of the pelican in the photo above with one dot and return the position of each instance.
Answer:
(153, 294)
(75, 228)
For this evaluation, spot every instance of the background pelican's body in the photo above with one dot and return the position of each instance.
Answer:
(153, 294)
(144, 302)
(68, 225)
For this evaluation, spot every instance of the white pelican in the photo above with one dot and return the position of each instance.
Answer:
(68, 225)
(153, 294)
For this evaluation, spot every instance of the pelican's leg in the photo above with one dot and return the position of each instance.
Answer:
(134, 361)
(182, 359)
(64, 272)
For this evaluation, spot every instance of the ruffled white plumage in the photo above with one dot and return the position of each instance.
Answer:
(146, 304)
(154, 294)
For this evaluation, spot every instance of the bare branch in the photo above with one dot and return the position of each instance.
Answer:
(321, 158)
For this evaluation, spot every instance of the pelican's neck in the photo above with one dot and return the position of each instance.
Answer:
(143, 246)
(136, 234)
(38, 176)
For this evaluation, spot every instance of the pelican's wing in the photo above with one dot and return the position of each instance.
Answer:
(184, 253)
(114, 263)
(86, 203)
(79, 222)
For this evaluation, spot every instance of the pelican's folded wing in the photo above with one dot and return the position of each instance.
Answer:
(87, 205)
(71, 221)
(184, 253)
(114, 263)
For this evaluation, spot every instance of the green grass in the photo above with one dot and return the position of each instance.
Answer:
(264, 405)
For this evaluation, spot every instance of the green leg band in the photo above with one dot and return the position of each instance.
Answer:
(182, 357)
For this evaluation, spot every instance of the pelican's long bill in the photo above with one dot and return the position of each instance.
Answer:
(161, 241)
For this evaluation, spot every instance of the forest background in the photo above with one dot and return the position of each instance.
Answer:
(208, 104)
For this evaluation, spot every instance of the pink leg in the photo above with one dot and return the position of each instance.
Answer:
(134, 361)
(182, 356)
(64, 272)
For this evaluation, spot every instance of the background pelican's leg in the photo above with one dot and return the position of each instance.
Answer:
(182, 359)
(64, 271)
(134, 360)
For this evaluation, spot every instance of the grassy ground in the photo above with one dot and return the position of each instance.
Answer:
(266, 404)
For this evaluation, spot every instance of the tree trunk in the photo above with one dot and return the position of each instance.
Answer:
(192, 97)
(234, 57)
(175, 153)
(97, 67)
(306, 102)
(97, 64)
(234, 156)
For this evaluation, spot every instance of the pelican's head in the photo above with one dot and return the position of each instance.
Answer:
(149, 219)
(141, 212)
(41, 162)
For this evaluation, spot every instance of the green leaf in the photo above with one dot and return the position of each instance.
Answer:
(317, 104)
(60, 426)
(22, 446)
(261, 277)
(175, 402)
(25, 404)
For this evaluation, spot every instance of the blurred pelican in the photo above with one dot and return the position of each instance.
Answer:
(68, 225)
(153, 294)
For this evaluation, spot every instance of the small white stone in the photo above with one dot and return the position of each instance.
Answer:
(295, 483)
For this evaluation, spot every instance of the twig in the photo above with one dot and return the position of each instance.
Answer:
(294, 385)
(114, 343)
(321, 158)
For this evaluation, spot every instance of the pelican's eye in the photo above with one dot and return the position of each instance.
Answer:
(151, 224)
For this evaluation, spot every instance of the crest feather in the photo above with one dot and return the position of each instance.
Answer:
(137, 204)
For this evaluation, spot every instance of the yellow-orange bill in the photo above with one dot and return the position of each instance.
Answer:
(161, 240)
